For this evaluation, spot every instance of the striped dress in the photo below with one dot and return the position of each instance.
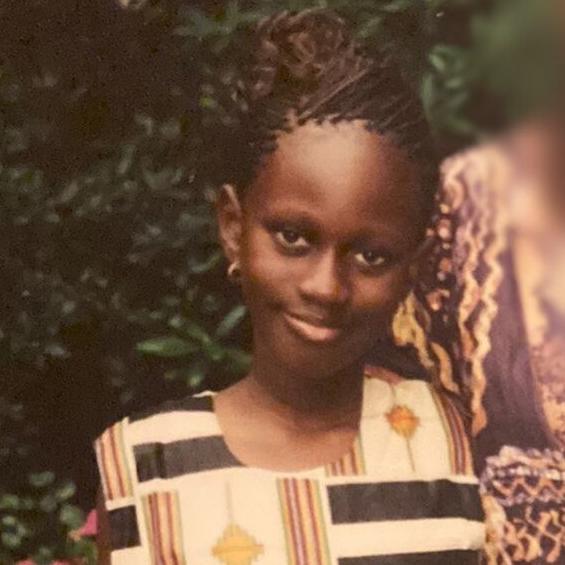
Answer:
(403, 494)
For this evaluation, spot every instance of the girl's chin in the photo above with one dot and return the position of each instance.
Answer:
(318, 366)
(286, 350)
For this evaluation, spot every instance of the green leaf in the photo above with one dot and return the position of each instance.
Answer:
(370, 28)
(157, 180)
(428, 95)
(177, 322)
(231, 321)
(72, 516)
(44, 556)
(208, 103)
(198, 25)
(65, 491)
(84, 548)
(11, 540)
(126, 160)
(9, 502)
(146, 122)
(195, 375)
(48, 503)
(193, 330)
(41, 480)
(9, 521)
(26, 503)
(211, 304)
(201, 267)
(438, 61)
(239, 361)
(167, 346)
(193, 222)
(214, 351)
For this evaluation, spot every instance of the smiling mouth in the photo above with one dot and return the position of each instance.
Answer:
(314, 330)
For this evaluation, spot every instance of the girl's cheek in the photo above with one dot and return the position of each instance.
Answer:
(383, 294)
(266, 277)
(265, 260)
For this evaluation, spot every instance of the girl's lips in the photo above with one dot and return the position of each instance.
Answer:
(315, 332)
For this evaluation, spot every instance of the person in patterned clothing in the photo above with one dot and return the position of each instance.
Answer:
(488, 322)
(315, 457)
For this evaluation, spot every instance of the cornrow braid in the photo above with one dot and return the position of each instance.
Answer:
(306, 66)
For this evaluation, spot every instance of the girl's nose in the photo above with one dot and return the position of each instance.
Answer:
(326, 281)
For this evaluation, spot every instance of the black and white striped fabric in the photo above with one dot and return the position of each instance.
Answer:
(403, 494)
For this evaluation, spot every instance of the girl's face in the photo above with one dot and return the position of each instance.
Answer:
(324, 237)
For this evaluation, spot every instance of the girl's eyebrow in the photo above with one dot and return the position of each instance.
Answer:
(296, 218)
(304, 221)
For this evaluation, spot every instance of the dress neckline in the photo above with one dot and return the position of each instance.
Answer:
(368, 374)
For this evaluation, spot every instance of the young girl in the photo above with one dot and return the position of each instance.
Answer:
(314, 457)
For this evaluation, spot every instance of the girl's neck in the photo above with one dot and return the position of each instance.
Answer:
(307, 403)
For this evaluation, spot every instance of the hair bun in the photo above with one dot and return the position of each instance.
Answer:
(308, 66)
(296, 49)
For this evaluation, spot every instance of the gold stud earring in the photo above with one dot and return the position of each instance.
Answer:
(234, 272)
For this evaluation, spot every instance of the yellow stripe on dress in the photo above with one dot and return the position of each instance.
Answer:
(352, 463)
(457, 440)
(162, 516)
(110, 449)
(303, 521)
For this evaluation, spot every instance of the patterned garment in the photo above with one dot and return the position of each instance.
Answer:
(488, 322)
(524, 496)
(403, 494)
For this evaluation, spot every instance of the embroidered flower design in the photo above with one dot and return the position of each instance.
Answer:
(403, 421)
(236, 547)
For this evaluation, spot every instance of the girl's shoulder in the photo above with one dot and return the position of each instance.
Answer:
(169, 421)
(196, 403)
(134, 444)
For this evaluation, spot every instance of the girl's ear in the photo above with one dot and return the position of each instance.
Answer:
(230, 222)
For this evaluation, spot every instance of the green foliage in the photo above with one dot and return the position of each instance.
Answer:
(39, 521)
(113, 286)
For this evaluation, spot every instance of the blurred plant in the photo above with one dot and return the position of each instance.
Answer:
(40, 522)
(205, 352)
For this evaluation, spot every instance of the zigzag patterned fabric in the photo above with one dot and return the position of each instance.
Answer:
(488, 323)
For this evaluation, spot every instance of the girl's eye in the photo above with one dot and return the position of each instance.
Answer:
(372, 259)
(291, 239)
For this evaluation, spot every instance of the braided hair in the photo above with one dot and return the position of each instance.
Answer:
(306, 66)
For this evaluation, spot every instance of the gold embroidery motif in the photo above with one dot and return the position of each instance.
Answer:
(403, 421)
(236, 547)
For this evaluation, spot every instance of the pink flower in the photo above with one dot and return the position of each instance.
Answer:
(90, 527)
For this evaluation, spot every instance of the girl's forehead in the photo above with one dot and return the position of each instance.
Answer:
(343, 160)
(341, 178)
